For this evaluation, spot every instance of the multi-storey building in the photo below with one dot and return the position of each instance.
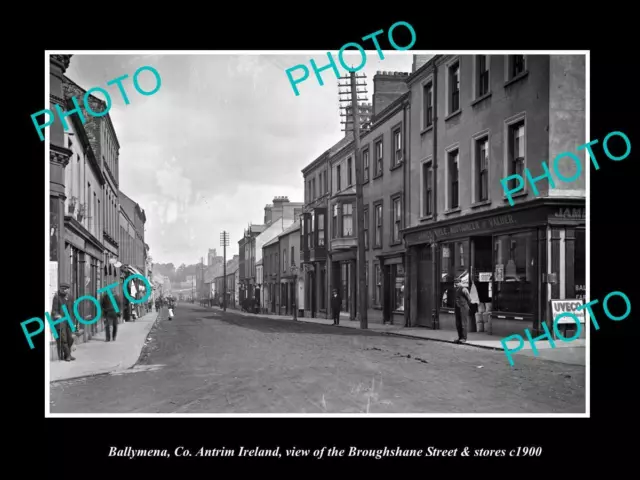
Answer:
(313, 241)
(291, 282)
(83, 222)
(271, 275)
(384, 159)
(476, 119)
(277, 217)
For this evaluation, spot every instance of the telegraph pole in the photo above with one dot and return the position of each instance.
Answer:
(224, 242)
(355, 119)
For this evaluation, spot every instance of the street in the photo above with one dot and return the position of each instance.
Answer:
(209, 361)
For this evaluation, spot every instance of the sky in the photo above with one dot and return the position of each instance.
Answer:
(222, 136)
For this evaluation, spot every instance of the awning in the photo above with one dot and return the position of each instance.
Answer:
(132, 269)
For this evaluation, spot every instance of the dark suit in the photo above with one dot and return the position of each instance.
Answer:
(336, 304)
(64, 341)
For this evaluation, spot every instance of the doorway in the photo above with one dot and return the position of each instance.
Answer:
(425, 287)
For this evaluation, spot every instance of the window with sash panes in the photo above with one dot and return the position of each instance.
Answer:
(334, 222)
(321, 229)
(483, 75)
(365, 162)
(397, 147)
(427, 179)
(347, 219)
(349, 172)
(453, 179)
(397, 218)
(454, 87)
(428, 104)
(311, 229)
(517, 149)
(379, 158)
(378, 219)
(482, 168)
(366, 228)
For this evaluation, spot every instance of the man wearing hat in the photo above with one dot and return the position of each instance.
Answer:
(63, 329)
(462, 306)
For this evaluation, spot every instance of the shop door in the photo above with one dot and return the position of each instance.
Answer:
(425, 287)
(387, 287)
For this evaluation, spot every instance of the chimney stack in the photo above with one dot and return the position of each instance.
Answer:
(419, 60)
(387, 86)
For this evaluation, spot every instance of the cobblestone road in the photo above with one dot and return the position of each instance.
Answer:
(215, 362)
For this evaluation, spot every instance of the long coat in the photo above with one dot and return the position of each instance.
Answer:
(336, 302)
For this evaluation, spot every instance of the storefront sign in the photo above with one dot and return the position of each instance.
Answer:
(570, 213)
(567, 305)
(500, 272)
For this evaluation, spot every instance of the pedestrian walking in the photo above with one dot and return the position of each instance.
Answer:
(64, 341)
(110, 315)
(336, 303)
(462, 307)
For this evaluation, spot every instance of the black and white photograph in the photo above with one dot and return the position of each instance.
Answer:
(311, 234)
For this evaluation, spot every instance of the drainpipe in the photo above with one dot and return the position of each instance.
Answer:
(435, 251)
(407, 199)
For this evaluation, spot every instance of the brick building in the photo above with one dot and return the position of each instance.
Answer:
(474, 120)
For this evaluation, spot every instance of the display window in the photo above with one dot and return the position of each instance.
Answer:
(514, 272)
(397, 276)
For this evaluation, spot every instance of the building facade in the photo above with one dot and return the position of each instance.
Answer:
(83, 222)
(314, 237)
(384, 159)
(271, 275)
(474, 120)
(290, 278)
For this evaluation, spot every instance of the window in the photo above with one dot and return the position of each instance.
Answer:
(366, 227)
(347, 220)
(311, 229)
(482, 69)
(397, 147)
(338, 175)
(365, 162)
(428, 104)
(514, 274)
(284, 260)
(378, 286)
(378, 239)
(454, 87)
(427, 179)
(516, 65)
(349, 172)
(482, 168)
(455, 262)
(453, 179)
(578, 289)
(379, 157)
(321, 229)
(397, 275)
(516, 148)
(293, 256)
(397, 218)
(334, 225)
(314, 189)
(326, 183)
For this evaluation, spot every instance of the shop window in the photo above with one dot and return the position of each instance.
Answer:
(514, 273)
(397, 274)
(579, 267)
(454, 264)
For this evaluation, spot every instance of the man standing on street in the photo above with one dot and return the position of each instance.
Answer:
(463, 304)
(63, 329)
(110, 315)
(336, 303)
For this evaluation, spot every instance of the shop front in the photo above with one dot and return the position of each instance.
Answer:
(514, 260)
(344, 275)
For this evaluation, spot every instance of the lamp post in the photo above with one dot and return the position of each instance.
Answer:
(294, 272)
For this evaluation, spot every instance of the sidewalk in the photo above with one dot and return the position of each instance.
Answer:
(98, 356)
(564, 352)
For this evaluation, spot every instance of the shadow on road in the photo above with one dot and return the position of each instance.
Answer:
(268, 325)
